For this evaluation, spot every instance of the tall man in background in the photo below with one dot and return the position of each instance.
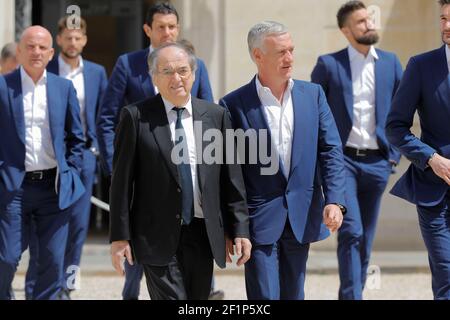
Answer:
(360, 82)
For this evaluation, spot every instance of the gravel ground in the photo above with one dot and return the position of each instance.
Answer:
(392, 286)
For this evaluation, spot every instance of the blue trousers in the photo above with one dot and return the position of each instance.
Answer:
(366, 180)
(435, 227)
(277, 271)
(78, 228)
(36, 201)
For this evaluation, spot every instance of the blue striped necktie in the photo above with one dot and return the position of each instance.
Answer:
(184, 170)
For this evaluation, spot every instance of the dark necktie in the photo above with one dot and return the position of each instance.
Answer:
(184, 170)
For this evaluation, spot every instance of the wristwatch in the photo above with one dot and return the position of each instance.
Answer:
(343, 209)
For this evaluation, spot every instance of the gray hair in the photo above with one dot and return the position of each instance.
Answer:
(154, 57)
(260, 31)
(8, 51)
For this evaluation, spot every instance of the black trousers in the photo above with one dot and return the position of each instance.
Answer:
(188, 275)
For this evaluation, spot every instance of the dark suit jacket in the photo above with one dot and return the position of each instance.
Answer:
(425, 88)
(95, 85)
(146, 192)
(130, 82)
(333, 73)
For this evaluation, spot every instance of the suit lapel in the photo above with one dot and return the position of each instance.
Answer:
(200, 113)
(161, 131)
(345, 75)
(147, 85)
(302, 121)
(254, 109)
(16, 98)
(442, 77)
(54, 113)
(88, 91)
(380, 87)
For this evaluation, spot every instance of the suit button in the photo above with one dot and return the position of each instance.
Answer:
(178, 190)
(178, 216)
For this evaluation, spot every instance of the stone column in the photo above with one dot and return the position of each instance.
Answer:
(23, 14)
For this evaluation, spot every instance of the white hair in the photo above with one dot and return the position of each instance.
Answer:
(260, 31)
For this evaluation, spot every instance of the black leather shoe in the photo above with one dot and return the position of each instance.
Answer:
(217, 295)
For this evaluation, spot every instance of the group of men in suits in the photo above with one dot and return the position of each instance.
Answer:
(335, 140)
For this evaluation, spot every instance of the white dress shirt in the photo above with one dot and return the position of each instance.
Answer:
(280, 118)
(447, 53)
(187, 121)
(39, 151)
(363, 133)
(77, 78)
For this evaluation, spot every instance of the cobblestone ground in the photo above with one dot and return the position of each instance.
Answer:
(392, 286)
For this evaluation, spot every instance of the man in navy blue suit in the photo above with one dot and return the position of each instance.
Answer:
(425, 88)
(291, 207)
(90, 81)
(359, 83)
(41, 148)
(131, 82)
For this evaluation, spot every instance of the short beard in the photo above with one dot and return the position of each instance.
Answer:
(445, 39)
(368, 39)
(68, 56)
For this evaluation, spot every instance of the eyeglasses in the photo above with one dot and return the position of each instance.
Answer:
(183, 72)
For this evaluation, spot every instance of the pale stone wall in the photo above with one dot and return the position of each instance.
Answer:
(6, 22)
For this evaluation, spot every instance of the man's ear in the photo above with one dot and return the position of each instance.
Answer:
(147, 30)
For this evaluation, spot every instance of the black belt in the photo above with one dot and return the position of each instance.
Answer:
(41, 174)
(356, 153)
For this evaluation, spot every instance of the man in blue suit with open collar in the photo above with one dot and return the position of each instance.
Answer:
(90, 82)
(131, 82)
(40, 162)
(287, 207)
(425, 88)
(360, 82)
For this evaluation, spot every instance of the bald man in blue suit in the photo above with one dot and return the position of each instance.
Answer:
(360, 82)
(41, 145)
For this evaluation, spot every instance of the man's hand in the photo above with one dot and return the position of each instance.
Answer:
(332, 217)
(120, 249)
(243, 249)
(441, 167)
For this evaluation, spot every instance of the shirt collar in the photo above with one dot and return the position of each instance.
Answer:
(447, 53)
(353, 53)
(27, 79)
(169, 106)
(66, 68)
(264, 90)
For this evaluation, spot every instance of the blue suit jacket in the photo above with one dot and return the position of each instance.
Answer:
(333, 73)
(95, 80)
(425, 87)
(131, 82)
(316, 164)
(66, 132)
